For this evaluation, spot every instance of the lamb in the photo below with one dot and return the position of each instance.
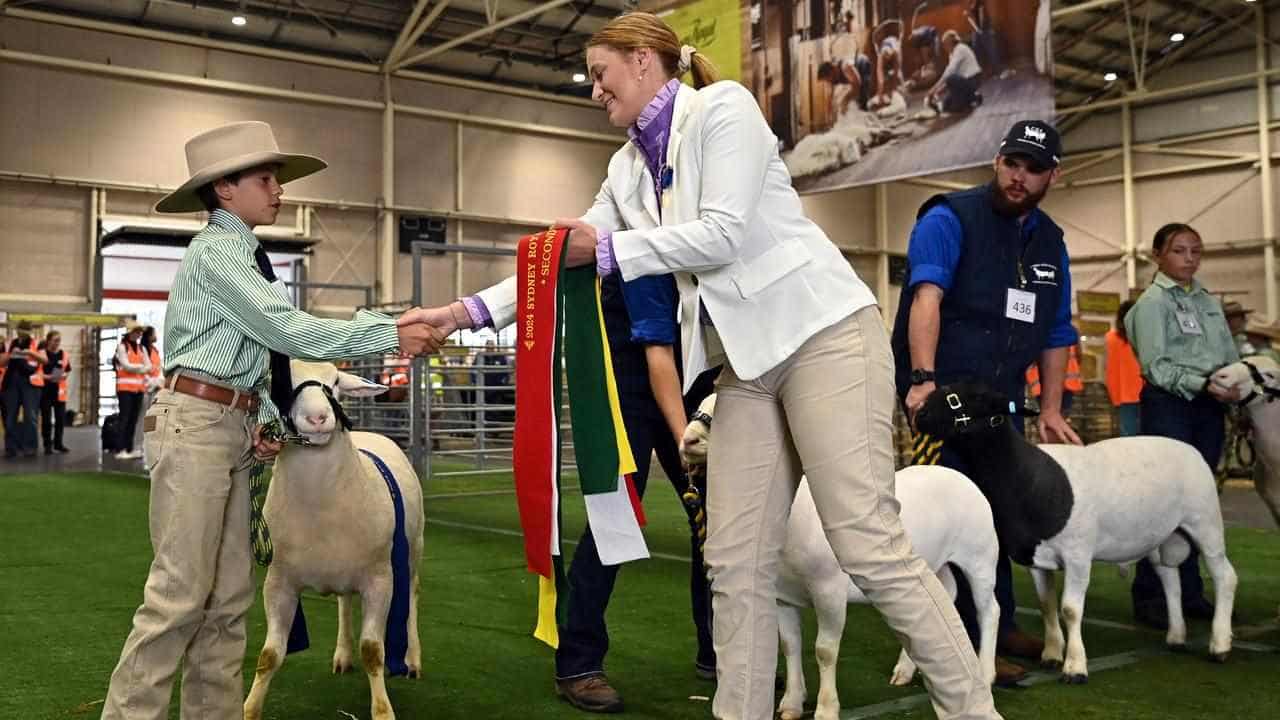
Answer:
(1063, 507)
(1258, 379)
(332, 522)
(946, 518)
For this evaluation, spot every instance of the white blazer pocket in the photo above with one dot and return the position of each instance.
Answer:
(772, 266)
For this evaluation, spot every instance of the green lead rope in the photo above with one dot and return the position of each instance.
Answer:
(259, 481)
(259, 536)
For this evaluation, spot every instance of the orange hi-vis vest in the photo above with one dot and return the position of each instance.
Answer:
(396, 373)
(1124, 374)
(62, 384)
(127, 381)
(37, 374)
(1072, 383)
(156, 369)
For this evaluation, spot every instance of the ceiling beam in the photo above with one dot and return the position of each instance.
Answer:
(409, 26)
(1083, 7)
(214, 41)
(1190, 46)
(411, 40)
(1079, 74)
(482, 32)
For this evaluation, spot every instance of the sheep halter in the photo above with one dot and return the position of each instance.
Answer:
(338, 412)
(1260, 387)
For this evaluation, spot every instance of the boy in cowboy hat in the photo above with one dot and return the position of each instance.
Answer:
(226, 311)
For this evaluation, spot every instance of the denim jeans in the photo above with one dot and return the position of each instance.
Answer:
(584, 637)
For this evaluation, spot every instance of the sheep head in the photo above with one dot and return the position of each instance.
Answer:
(697, 435)
(317, 386)
(963, 407)
(1254, 377)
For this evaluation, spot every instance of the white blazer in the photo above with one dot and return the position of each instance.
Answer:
(732, 230)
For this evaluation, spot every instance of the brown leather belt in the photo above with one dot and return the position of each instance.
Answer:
(242, 400)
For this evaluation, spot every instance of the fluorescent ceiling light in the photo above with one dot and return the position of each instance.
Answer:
(1110, 77)
(579, 77)
(239, 21)
(1177, 37)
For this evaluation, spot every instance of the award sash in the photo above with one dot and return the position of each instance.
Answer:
(559, 319)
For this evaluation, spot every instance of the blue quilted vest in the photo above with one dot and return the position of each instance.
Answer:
(976, 341)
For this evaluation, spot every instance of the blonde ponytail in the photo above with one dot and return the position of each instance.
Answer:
(636, 30)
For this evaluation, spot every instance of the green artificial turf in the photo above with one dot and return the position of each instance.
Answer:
(74, 552)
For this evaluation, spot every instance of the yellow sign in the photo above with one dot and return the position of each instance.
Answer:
(714, 27)
(97, 319)
(1093, 328)
(1097, 303)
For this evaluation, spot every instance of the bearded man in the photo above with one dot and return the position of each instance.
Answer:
(988, 292)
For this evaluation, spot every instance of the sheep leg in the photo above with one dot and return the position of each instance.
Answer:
(413, 656)
(1176, 637)
(342, 657)
(1266, 481)
(375, 604)
(1075, 669)
(790, 634)
(831, 605)
(983, 588)
(1209, 539)
(281, 602)
(1052, 656)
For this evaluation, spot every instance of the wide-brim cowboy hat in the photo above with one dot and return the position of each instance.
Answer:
(1267, 331)
(1232, 307)
(222, 151)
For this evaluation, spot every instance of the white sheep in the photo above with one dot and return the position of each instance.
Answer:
(331, 519)
(1063, 507)
(947, 520)
(1258, 380)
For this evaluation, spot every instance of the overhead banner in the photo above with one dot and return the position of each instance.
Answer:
(867, 91)
(714, 27)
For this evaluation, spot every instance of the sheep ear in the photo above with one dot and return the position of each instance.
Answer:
(354, 386)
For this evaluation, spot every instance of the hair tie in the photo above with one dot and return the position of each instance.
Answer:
(686, 58)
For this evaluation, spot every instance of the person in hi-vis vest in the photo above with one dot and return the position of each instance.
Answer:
(53, 398)
(21, 393)
(154, 381)
(132, 368)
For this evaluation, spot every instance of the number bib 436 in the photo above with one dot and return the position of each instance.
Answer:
(1020, 305)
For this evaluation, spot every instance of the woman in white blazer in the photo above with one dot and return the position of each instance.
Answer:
(808, 379)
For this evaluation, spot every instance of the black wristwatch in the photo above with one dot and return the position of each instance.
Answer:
(920, 377)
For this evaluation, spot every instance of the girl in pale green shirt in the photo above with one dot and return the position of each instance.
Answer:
(1180, 335)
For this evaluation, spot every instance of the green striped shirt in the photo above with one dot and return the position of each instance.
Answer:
(223, 315)
(1172, 360)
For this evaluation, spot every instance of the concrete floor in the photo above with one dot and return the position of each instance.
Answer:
(86, 456)
(1241, 506)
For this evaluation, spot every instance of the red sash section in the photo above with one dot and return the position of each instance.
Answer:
(537, 438)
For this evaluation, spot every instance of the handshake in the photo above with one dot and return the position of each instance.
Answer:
(423, 330)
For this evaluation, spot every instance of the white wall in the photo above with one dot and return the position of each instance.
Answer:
(128, 131)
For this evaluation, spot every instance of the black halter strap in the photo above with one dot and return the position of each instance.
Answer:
(1260, 386)
(964, 422)
(338, 412)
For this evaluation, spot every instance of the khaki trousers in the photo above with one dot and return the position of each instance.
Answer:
(825, 412)
(201, 582)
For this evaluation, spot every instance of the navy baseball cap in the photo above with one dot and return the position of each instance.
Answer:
(1036, 139)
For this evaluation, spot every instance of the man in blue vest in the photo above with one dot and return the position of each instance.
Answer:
(988, 292)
